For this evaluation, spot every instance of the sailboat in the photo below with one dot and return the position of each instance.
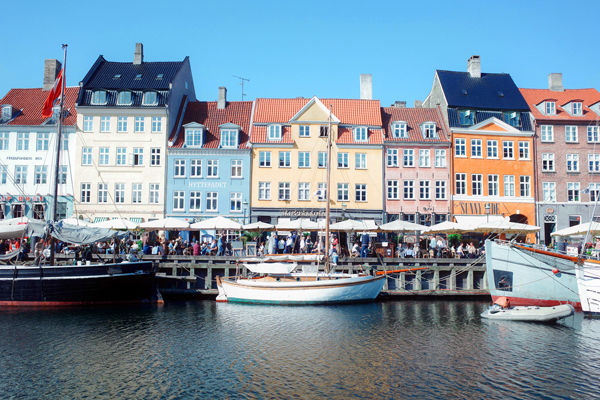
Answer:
(279, 280)
(81, 284)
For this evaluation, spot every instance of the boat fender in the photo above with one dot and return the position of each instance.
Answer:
(555, 270)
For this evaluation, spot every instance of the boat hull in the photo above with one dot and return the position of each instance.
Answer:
(529, 314)
(527, 278)
(588, 279)
(342, 290)
(77, 284)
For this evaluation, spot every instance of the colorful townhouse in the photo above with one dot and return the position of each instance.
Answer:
(289, 159)
(208, 170)
(567, 157)
(492, 144)
(125, 111)
(28, 151)
(417, 164)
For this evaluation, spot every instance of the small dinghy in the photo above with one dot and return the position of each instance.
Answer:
(501, 310)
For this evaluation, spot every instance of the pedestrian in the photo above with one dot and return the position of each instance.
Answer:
(364, 239)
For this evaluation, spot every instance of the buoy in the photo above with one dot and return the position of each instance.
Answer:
(555, 270)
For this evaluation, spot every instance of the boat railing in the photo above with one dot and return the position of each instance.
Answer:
(590, 254)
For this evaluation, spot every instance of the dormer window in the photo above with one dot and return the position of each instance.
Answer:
(124, 98)
(274, 132)
(138, 77)
(150, 99)
(6, 112)
(229, 136)
(194, 134)
(55, 113)
(99, 97)
(399, 130)
(512, 118)
(577, 108)
(467, 117)
(159, 77)
(428, 129)
(550, 108)
(361, 134)
(117, 76)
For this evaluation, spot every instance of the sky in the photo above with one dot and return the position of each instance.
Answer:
(301, 49)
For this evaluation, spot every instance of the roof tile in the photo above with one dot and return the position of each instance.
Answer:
(28, 103)
(414, 117)
(586, 96)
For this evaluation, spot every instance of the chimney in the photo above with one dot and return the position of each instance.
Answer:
(418, 104)
(555, 82)
(366, 87)
(138, 57)
(399, 104)
(51, 71)
(222, 101)
(474, 67)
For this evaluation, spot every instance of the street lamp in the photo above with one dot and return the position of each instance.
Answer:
(487, 211)
(245, 205)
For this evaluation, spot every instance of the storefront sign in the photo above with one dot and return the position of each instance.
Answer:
(21, 199)
(477, 208)
(208, 184)
(298, 213)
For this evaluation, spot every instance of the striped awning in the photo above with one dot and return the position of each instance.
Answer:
(100, 219)
(136, 220)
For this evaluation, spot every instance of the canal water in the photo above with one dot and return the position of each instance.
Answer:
(208, 350)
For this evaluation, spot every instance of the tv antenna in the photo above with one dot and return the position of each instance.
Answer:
(242, 84)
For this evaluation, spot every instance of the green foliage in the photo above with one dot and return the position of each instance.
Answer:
(248, 237)
(454, 238)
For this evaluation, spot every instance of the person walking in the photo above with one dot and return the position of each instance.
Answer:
(364, 240)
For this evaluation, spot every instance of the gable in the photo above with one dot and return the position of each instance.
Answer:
(313, 113)
(492, 127)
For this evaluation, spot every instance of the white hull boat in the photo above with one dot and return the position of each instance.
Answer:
(588, 282)
(529, 313)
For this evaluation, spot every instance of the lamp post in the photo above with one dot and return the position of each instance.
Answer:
(487, 211)
(245, 206)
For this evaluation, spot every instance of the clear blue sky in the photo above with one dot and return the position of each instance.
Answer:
(290, 48)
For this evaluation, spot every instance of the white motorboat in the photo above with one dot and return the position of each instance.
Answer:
(528, 313)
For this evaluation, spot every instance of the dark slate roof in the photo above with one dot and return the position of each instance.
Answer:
(454, 120)
(481, 92)
(136, 98)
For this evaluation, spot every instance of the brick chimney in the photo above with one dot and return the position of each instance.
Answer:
(474, 67)
(222, 101)
(138, 57)
(399, 104)
(418, 103)
(51, 70)
(555, 82)
(366, 87)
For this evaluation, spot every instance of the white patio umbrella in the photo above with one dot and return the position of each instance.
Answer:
(166, 224)
(505, 226)
(75, 221)
(581, 229)
(116, 223)
(401, 226)
(448, 227)
(216, 223)
(301, 224)
(353, 225)
(257, 226)
(14, 221)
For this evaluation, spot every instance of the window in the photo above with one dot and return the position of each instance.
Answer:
(150, 99)
(429, 130)
(343, 160)
(322, 159)
(360, 134)
(86, 192)
(303, 191)
(594, 191)
(460, 147)
(105, 124)
(195, 168)
(235, 202)
(592, 133)
(211, 201)
(547, 162)
(440, 190)
(525, 186)
(193, 137)
(440, 159)
(41, 174)
(121, 156)
(154, 193)
(3, 140)
(547, 133)
(236, 168)
(594, 162)
(124, 98)
(477, 184)
(139, 124)
(550, 108)
(409, 190)
(195, 201)
(323, 131)
(493, 185)
(274, 132)
(104, 156)
(523, 150)
(122, 124)
(179, 168)
(572, 191)
(343, 192)
(229, 138)
(23, 141)
(284, 191)
(155, 156)
(62, 175)
(360, 192)
(264, 190)
(399, 130)
(264, 159)
(86, 156)
(392, 189)
(424, 158)
(572, 162)
(512, 118)
(476, 148)
(212, 168)
(6, 112)
(99, 97)
(361, 161)
(392, 157)
(119, 193)
(42, 141)
(577, 110)
(303, 159)
(466, 117)
(179, 200)
(509, 185)
(136, 193)
(408, 158)
(156, 124)
(88, 124)
(103, 193)
(304, 131)
(571, 134)
(138, 156)
(461, 183)
(492, 149)
(549, 191)
(64, 142)
(322, 192)
(508, 149)
(424, 190)
(3, 174)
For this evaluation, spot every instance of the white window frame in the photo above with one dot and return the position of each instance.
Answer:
(155, 157)
(23, 141)
(594, 162)
(139, 160)
(284, 191)
(343, 192)
(104, 156)
(572, 162)
(88, 123)
(440, 190)
(399, 130)
(524, 153)
(105, 124)
(136, 193)
(122, 124)
(86, 156)
(493, 184)
(235, 202)
(122, 98)
(360, 192)
(196, 168)
(550, 108)
(549, 192)
(121, 155)
(264, 190)
(525, 186)
(236, 169)
(593, 134)
(476, 148)
(139, 124)
(547, 133)
(195, 201)
(460, 147)
(441, 160)
(477, 184)
(274, 132)
(573, 192)
(304, 191)
(41, 174)
(178, 200)
(424, 190)
(154, 193)
(304, 131)
(548, 164)
(229, 138)
(508, 150)
(360, 161)
(461, 183)
(408, 192)
(156, 124)
(150, 98)
(212, 201)
(392, 189)
(509, 185)
(86, 192)
(304, 159)
(99, 97)
(264, 159)
(119, 193)
(429, 130)
(102, 192)
(392, 157)
(361, 134)
(424, 158)
(408, 158)
(343, 160)
(212, 169)
(43, 140)
(571, 135)
(179, 168)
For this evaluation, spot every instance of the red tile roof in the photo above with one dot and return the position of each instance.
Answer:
(586, 96)
(345, 136)
(207, 114)
(259, 135)
(28, 103)
(414, 117)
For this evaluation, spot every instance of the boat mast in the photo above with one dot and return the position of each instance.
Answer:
(328, 191)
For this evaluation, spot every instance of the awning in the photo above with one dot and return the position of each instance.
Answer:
(100, 219)
(137, 220)
(474, 220)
